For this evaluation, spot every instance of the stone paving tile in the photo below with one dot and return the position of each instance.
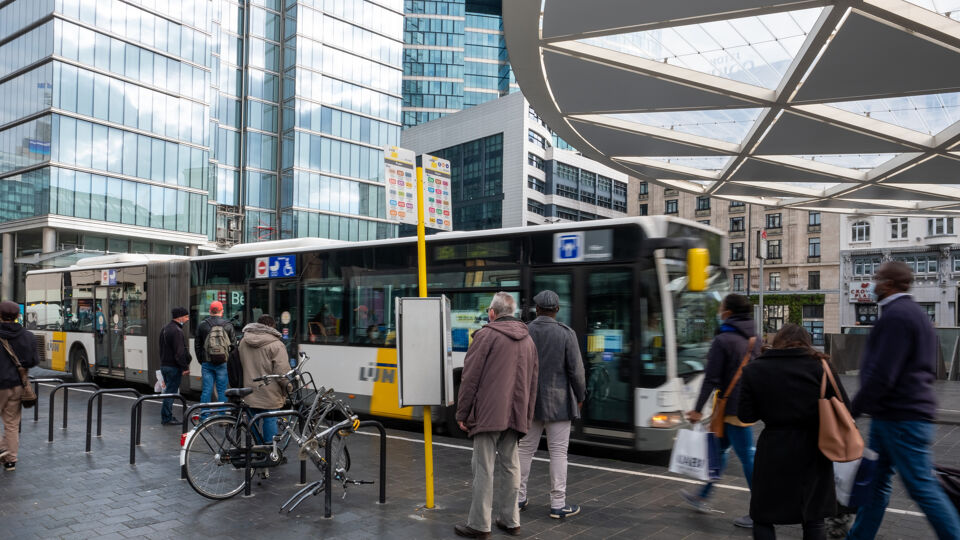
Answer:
(58, 491)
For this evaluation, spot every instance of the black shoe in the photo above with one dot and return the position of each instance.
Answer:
(512, 531)
(172, 421)
(522, 505)
(9, 465)
(469, 532)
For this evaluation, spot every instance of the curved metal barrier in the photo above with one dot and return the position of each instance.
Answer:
(66, 394)
(328, 475)
(36, 390)
(98, 396)
(136, 417)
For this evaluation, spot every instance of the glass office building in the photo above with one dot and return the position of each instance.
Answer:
(454, 57)
(179, 125)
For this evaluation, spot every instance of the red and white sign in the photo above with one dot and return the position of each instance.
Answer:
(860, 293)
(260, 266)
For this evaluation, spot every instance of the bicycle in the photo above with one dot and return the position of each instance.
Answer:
(216, 452)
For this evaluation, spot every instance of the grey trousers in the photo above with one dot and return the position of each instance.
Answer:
(558, 439)
(497, 449)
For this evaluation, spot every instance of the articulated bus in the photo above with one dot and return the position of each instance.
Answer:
(622, 284)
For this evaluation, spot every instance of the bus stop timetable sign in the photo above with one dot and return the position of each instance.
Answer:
(401, 184)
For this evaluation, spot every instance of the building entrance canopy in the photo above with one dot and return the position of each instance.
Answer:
(843, 106)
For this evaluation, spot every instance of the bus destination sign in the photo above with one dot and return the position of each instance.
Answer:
(401, 184)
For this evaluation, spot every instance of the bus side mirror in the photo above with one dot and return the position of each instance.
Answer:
(697, 261)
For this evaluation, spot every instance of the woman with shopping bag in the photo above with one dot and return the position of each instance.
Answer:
(792, 479)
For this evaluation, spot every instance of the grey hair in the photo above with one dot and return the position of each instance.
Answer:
(503, 305)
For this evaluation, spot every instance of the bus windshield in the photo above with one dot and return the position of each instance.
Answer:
(695, 314)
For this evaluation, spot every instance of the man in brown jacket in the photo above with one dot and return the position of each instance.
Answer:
(262, 352)
(498, 390)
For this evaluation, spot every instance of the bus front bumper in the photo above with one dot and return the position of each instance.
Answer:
(656, 439)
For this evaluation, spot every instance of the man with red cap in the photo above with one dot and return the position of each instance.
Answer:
(212, 345)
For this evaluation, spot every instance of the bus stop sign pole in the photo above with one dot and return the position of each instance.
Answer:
(422, 278)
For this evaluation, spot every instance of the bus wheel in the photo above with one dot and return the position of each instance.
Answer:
(80, 366)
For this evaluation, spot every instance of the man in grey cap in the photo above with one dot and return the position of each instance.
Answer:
(560, 392)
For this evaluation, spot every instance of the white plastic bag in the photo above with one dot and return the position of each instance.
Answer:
(695, 454)
(161, 385)
(854, 478)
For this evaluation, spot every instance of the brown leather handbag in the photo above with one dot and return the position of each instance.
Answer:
(28, 398)
(717, 421)
(840, 441)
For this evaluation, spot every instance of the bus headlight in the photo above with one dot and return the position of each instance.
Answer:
(666, 419)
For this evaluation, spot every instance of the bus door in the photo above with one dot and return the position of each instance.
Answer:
(279, 299)
(109, 325)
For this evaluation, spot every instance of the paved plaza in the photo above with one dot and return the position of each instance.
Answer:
(58, 491)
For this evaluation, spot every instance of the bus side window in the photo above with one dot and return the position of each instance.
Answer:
(322, 306)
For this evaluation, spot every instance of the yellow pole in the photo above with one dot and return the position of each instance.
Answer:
(422, 278)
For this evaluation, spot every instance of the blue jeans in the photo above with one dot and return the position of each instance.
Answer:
(268, 426)
(213, 374)
(905, 445)
(741, 439)
(171, 376)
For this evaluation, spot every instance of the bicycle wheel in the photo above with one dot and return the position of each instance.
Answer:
(339, 454)
(211, 468)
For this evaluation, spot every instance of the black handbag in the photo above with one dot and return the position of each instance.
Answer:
(29, 397)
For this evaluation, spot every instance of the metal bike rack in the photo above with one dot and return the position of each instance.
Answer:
(36, 390)
(328, 475)
(53, 395)
(136, 417)
(197, 406)
(247, 470)
(98, 396)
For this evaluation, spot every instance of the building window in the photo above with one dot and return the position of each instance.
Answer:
(536, 139)
(773, 317)
(620, 206)
(920, 264)
(866, 266)
(703, 203)
(567, 213)
(736, 251)
(738, 282)
(736, 204)
(703, 221)
(860, 232)
(671, 206)
(813, 281)
(535, 207)
(736, 224)
(937, 226)
(931, 309)
(536, 184)
(956, 263)
(814, 311)
(644, 189)
(774, 281)
(620, 190)
(567, 191)
(813, 218)
(898, 228)
(534, 161)
(643, 210)
(813, 247)
(773, 221)
(816, 331)
(773, 249)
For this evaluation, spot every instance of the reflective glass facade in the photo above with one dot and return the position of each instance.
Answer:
(454, 57)
(476, 170)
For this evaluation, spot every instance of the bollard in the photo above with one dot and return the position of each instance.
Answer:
(36, 390)
(53, 395)
(98, 395)
(136, 417)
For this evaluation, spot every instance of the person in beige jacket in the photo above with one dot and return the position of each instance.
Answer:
(262, 352)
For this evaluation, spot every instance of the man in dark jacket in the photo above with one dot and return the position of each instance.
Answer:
(174, 360)
(498, 389)
(560, 392)
(896, 389)
(212, 370)
(724, 358)
(24, 346)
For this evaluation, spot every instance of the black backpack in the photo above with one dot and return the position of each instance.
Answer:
(234, 369)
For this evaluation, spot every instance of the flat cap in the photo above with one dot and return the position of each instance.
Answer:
(178, 312)
(547, 300)
(9, 310)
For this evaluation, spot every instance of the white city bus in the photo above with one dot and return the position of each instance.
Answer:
(622, 283)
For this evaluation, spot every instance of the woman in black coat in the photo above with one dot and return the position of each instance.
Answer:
(792, 479)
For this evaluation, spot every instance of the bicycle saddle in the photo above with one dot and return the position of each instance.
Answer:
(238, 392)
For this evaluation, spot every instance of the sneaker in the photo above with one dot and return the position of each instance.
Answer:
(566, 511)
(9, 465)
(696, 502)
(522, 505)
(744, 521)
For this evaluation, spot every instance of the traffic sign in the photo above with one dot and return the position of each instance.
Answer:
(275, 266)
(568, 247)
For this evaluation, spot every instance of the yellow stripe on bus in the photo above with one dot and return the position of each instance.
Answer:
(58, 352)
(384, 400)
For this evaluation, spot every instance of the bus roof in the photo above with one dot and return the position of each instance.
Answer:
(114, 260)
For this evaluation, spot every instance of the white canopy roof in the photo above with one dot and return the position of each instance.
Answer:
(844, 106)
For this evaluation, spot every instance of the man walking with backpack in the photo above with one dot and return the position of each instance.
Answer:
(214, 340)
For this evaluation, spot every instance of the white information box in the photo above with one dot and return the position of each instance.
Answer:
(424, 352)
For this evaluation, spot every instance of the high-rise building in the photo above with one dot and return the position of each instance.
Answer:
(454, 57)
(173, 126)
